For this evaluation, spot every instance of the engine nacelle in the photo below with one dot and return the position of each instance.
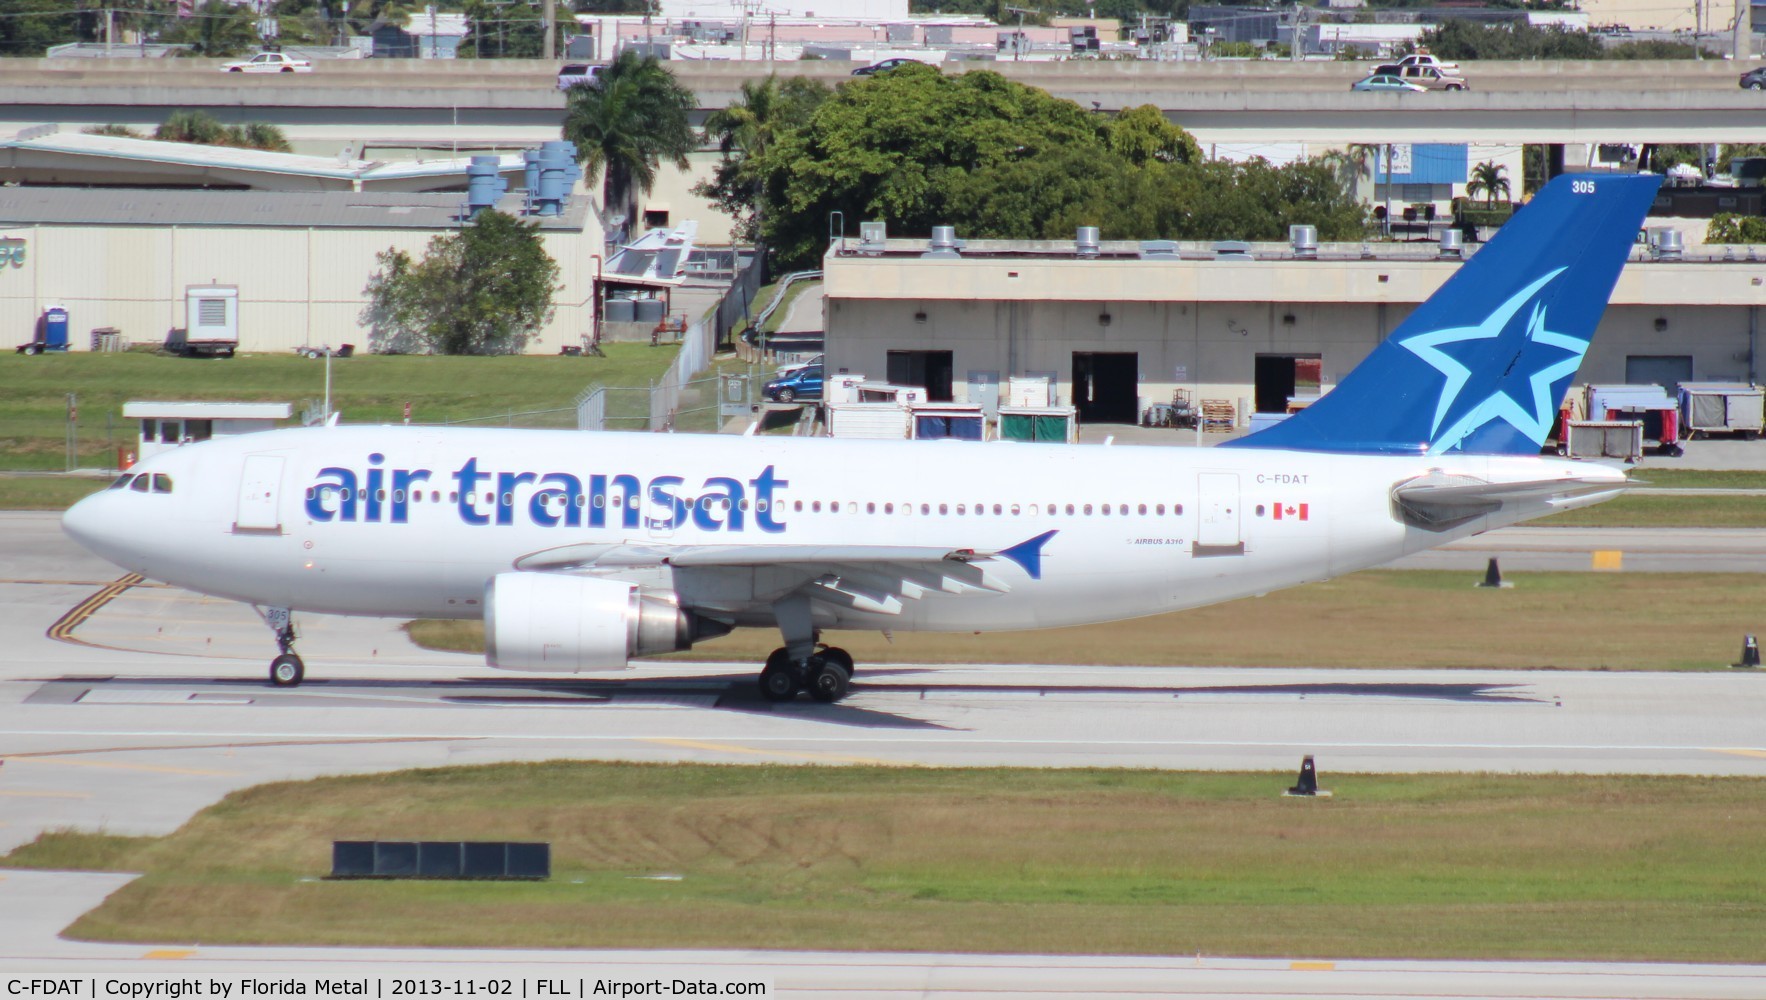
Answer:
(557, 622)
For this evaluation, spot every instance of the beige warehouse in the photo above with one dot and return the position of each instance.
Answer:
(301, 261)
(1119, 332)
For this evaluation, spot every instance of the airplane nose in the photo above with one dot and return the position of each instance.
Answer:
(92, 522)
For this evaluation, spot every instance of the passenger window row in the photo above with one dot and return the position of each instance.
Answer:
(558, 499)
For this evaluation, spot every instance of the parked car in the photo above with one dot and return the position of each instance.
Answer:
(269, 62)
(885, 66)
(1426, 77)
(572, 74)
(804, 383)
(784, 370)
(1387, 82)
(1425, 59)
(1754, 79)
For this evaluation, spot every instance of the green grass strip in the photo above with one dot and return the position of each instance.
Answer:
(981, 860)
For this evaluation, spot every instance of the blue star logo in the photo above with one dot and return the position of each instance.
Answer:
(1491, 399)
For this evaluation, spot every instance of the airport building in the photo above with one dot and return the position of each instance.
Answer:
(1121, 326)
(299, 262)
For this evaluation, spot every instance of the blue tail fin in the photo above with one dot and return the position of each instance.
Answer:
(1482, 365)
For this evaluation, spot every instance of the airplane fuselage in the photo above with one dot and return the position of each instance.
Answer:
(412, 522)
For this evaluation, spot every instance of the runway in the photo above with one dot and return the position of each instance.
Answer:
(153, 706)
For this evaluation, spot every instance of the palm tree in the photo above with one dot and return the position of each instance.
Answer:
(744, 132)
(1352, 163)
(625, 123)
(1487, 179)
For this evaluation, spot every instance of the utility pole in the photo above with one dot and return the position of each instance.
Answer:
(549, 11)
(1299, 29)
(1743, 45)
(1018, 39)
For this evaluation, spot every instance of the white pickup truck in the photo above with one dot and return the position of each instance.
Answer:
(269, 62)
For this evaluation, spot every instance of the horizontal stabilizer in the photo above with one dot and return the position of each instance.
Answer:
(1438, 502)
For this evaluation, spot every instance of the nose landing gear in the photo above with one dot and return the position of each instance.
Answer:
(286, 670)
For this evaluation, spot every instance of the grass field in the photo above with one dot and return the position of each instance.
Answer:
(1574, 621)
(1640, 509)
(367, 389)
(980, 860)
(37, 492)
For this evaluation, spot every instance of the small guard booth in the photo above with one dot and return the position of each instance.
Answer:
(168, 425)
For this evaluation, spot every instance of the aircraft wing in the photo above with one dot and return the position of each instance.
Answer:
(1439, 502)
(873, 578)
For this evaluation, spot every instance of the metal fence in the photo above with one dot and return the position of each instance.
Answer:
(677, 400)
(559, 417)
(732, 309)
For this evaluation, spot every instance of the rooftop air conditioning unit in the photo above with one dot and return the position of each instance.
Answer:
(1085, 242)
(1450, 243)
(872, 237)
(1304, 240)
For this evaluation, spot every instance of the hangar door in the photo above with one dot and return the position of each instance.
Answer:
(1106, 387)
(1665, 370)
(930, 369)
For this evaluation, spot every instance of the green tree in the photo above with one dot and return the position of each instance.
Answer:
(626, 123)
(744, 132)
(217, 29)
(28, 27)
(503, 31)
(1459, 39)
(1487, 179)
(1726, 227)
(1142, 135)
(896, 145)
(484, 290)
(998, 159)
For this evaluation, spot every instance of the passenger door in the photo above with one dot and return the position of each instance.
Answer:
(260, 487)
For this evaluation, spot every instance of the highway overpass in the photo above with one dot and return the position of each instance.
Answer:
(470, 103)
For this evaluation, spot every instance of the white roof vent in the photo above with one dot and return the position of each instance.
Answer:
(1450, 244)
(1085, 242)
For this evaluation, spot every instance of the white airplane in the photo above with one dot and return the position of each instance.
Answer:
(583, 551)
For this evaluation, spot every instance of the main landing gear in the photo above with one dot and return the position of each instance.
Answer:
(803, 663)
(826, 674)
(286, 670)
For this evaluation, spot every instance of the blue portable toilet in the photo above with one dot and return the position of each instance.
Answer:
(54, 329)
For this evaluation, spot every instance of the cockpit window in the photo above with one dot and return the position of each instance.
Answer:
(122, 481)
(140, 483)
(162, 483)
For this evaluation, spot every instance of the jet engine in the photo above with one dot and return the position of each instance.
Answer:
(557, 622)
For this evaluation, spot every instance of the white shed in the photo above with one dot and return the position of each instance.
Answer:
(168, 425)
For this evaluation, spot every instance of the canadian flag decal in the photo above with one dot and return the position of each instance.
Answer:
(1292, 511)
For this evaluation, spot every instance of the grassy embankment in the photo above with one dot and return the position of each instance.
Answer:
(1575, 621)
(980, 860)
(366, 389)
